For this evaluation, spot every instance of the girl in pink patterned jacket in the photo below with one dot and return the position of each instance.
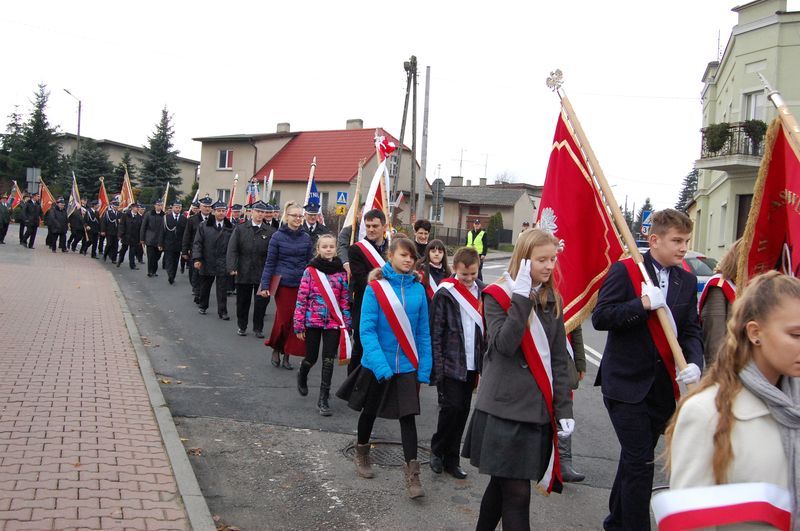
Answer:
(314, 321)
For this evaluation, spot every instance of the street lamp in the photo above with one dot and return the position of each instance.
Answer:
(79, 120)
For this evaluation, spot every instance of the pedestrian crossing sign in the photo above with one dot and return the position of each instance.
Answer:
(341, 198)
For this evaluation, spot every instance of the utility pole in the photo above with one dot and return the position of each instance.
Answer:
(409, 66)
(412, 200)
(78, 142)
(423, 177)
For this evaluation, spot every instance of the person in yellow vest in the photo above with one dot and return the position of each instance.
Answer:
(476, 238)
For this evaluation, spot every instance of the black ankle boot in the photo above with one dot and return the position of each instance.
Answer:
(302, 378)
(325, 387)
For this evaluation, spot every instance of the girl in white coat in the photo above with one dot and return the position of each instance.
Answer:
(741, 425)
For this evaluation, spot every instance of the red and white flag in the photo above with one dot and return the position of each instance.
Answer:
(102, 197)
(229, 213)
(378, 193)
(772, 236)
(46, 199)
(572, 209)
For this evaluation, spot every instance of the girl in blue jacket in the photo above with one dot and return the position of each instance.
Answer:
(387, 383)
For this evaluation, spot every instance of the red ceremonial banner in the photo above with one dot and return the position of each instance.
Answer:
(46, 199)
(572, 209)
(772, 236)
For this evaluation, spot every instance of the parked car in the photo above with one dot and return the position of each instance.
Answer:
(699, 265)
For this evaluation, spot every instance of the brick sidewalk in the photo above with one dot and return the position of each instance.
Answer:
(79, 445)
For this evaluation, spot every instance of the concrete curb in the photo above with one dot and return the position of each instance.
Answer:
(193, 499)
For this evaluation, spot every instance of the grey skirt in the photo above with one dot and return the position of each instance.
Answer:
(507, 448)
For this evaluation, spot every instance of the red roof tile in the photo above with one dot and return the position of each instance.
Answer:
(337, 152)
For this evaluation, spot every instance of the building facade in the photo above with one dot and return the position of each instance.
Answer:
(765, 40)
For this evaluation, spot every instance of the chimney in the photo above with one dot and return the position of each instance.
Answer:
(456, 180)
(356, 123)
(483, 181)
(283, 127)
(469, 182)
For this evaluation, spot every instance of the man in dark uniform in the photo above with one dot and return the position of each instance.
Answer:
(5, 217)
(139, 248)
(31, 216)
(273, 216)
(171, 239)
(129, 227)
(639, 381)
(150, 234)
(91, 221)
(56, 221)
(193, 209)
(247, 252)
(360, 267)
(76, 231)
(209, 254)
(109, 230)
(188, 240)
(237, 217)
(311, 223)
(20, 218)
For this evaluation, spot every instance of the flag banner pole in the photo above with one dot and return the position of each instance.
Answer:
(555, 83)
(786, 116)
(355, 203)
(310, 180)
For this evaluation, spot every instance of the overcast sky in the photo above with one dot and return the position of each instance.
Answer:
(632, 71)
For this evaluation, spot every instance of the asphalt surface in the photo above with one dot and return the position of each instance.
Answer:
(265, 459)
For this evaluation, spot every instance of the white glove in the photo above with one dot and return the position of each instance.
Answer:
(655, 295)
(522, 283)
(567, 427)
(689, 375)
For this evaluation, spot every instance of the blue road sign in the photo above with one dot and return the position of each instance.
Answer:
(341, 198)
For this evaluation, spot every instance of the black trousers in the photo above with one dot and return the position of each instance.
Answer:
(111, 248)
(59, 239)
(101, 241)
(139, 252)
(3, 231)
(171, 259)
(244, 294)
(22, 233)
(30, 235)
(453, 414)
(329, 340)
(153, 255)
(358, 348)
(90, 243)
(638, 427)
(222, 292)
(75, 238)
(194, 279)
(131, 250)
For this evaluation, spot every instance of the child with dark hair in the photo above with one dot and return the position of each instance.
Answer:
(433, 267)
(397, 358)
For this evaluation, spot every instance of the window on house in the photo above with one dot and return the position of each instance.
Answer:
(755, 104)
(225, 159)
(723, 216)
(474, 210)
(743, 203)
(223, 194)
(324, 199)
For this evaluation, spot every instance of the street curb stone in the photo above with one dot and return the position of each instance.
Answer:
(193, 499)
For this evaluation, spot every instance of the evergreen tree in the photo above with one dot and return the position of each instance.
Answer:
(10, 151)
(637, 225)
(115, 177)
(90, 163)
(39, 146)
(688, 189)
(161, 163)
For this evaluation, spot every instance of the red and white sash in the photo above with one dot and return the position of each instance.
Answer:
(431, 287)
(701, 507)
(728, 289)
(654, 325)
(536, 349)
(371, 253)
(464, 297)
(345, 346)
(397, 317)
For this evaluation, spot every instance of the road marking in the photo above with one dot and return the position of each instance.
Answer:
(593, 357)
(493, 266)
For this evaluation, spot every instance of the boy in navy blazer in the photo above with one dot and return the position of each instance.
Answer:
(637, 373)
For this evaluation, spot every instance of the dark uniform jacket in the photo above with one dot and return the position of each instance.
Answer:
(152, 225)
(109, 223)
(171, 236)
(191, 230)
(630, 359)
(76, 220)
(447, 338)
(129, 227)
(5, 214)
(56, 220)
(247, 251)
(507, 389)
(319, 230)
(211, 245)
(91, 221)
(32, 214)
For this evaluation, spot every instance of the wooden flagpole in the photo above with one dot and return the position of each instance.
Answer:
(356, 199)
(310, 179)
(555, 82)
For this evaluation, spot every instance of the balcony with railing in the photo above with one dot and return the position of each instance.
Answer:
(737, 149)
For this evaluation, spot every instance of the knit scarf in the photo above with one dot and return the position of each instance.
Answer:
(784, 405)
(329, 267)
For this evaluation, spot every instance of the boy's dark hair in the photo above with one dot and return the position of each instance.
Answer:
(375, 213)
(404, 242)
(467, 256)
(422, 224)
(663, 220)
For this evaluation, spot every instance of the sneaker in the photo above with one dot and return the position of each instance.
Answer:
(203, 311)
(241, 332)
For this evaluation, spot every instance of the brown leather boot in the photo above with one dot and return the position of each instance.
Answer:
(361, 459)
(413, 485)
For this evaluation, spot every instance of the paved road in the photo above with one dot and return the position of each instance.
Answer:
(269, 461)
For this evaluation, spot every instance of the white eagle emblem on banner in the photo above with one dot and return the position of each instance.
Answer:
(547, 221)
